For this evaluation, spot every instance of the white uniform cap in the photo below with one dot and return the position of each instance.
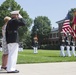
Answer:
(15, 12)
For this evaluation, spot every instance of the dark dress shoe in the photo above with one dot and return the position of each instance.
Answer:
(16, 71)
(3, 68)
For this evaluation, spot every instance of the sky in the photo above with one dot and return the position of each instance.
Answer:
(55, 10)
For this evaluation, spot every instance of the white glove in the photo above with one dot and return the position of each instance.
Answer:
(20, 16)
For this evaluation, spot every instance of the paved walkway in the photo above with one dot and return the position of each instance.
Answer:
(64, 68)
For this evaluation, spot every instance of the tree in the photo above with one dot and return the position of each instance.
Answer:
(27, 40)
(6, 8)
(41, 28)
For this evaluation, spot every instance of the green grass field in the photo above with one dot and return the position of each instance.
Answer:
(43, 56)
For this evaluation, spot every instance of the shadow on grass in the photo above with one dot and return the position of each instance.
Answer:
(60, 56)
(54, 56)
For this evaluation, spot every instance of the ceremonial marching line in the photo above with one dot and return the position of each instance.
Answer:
(67, 43)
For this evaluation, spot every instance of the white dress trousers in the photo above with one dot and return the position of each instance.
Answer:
(35, 50)
(62, 53)
(12, 56)
(68, 51)
(73, 50)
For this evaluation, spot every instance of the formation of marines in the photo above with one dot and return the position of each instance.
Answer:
(68, 41)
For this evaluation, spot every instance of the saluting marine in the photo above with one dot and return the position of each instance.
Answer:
(62, 44)
(12, 40)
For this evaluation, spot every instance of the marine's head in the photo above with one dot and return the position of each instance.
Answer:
(15, 14)
(62, 33)
(68, 34)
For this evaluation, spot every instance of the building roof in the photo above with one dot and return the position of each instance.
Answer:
(54, 29)
(61, 21)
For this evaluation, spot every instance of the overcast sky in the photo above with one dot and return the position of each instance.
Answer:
(55, 10)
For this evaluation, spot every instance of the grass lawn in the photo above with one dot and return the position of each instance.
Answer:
(43, 56)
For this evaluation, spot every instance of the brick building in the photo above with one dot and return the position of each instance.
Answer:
(54, 37)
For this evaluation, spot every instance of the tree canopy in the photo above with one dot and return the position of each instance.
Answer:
(5, 9)
(41, 28)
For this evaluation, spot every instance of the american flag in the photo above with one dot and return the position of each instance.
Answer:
(66, 26)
